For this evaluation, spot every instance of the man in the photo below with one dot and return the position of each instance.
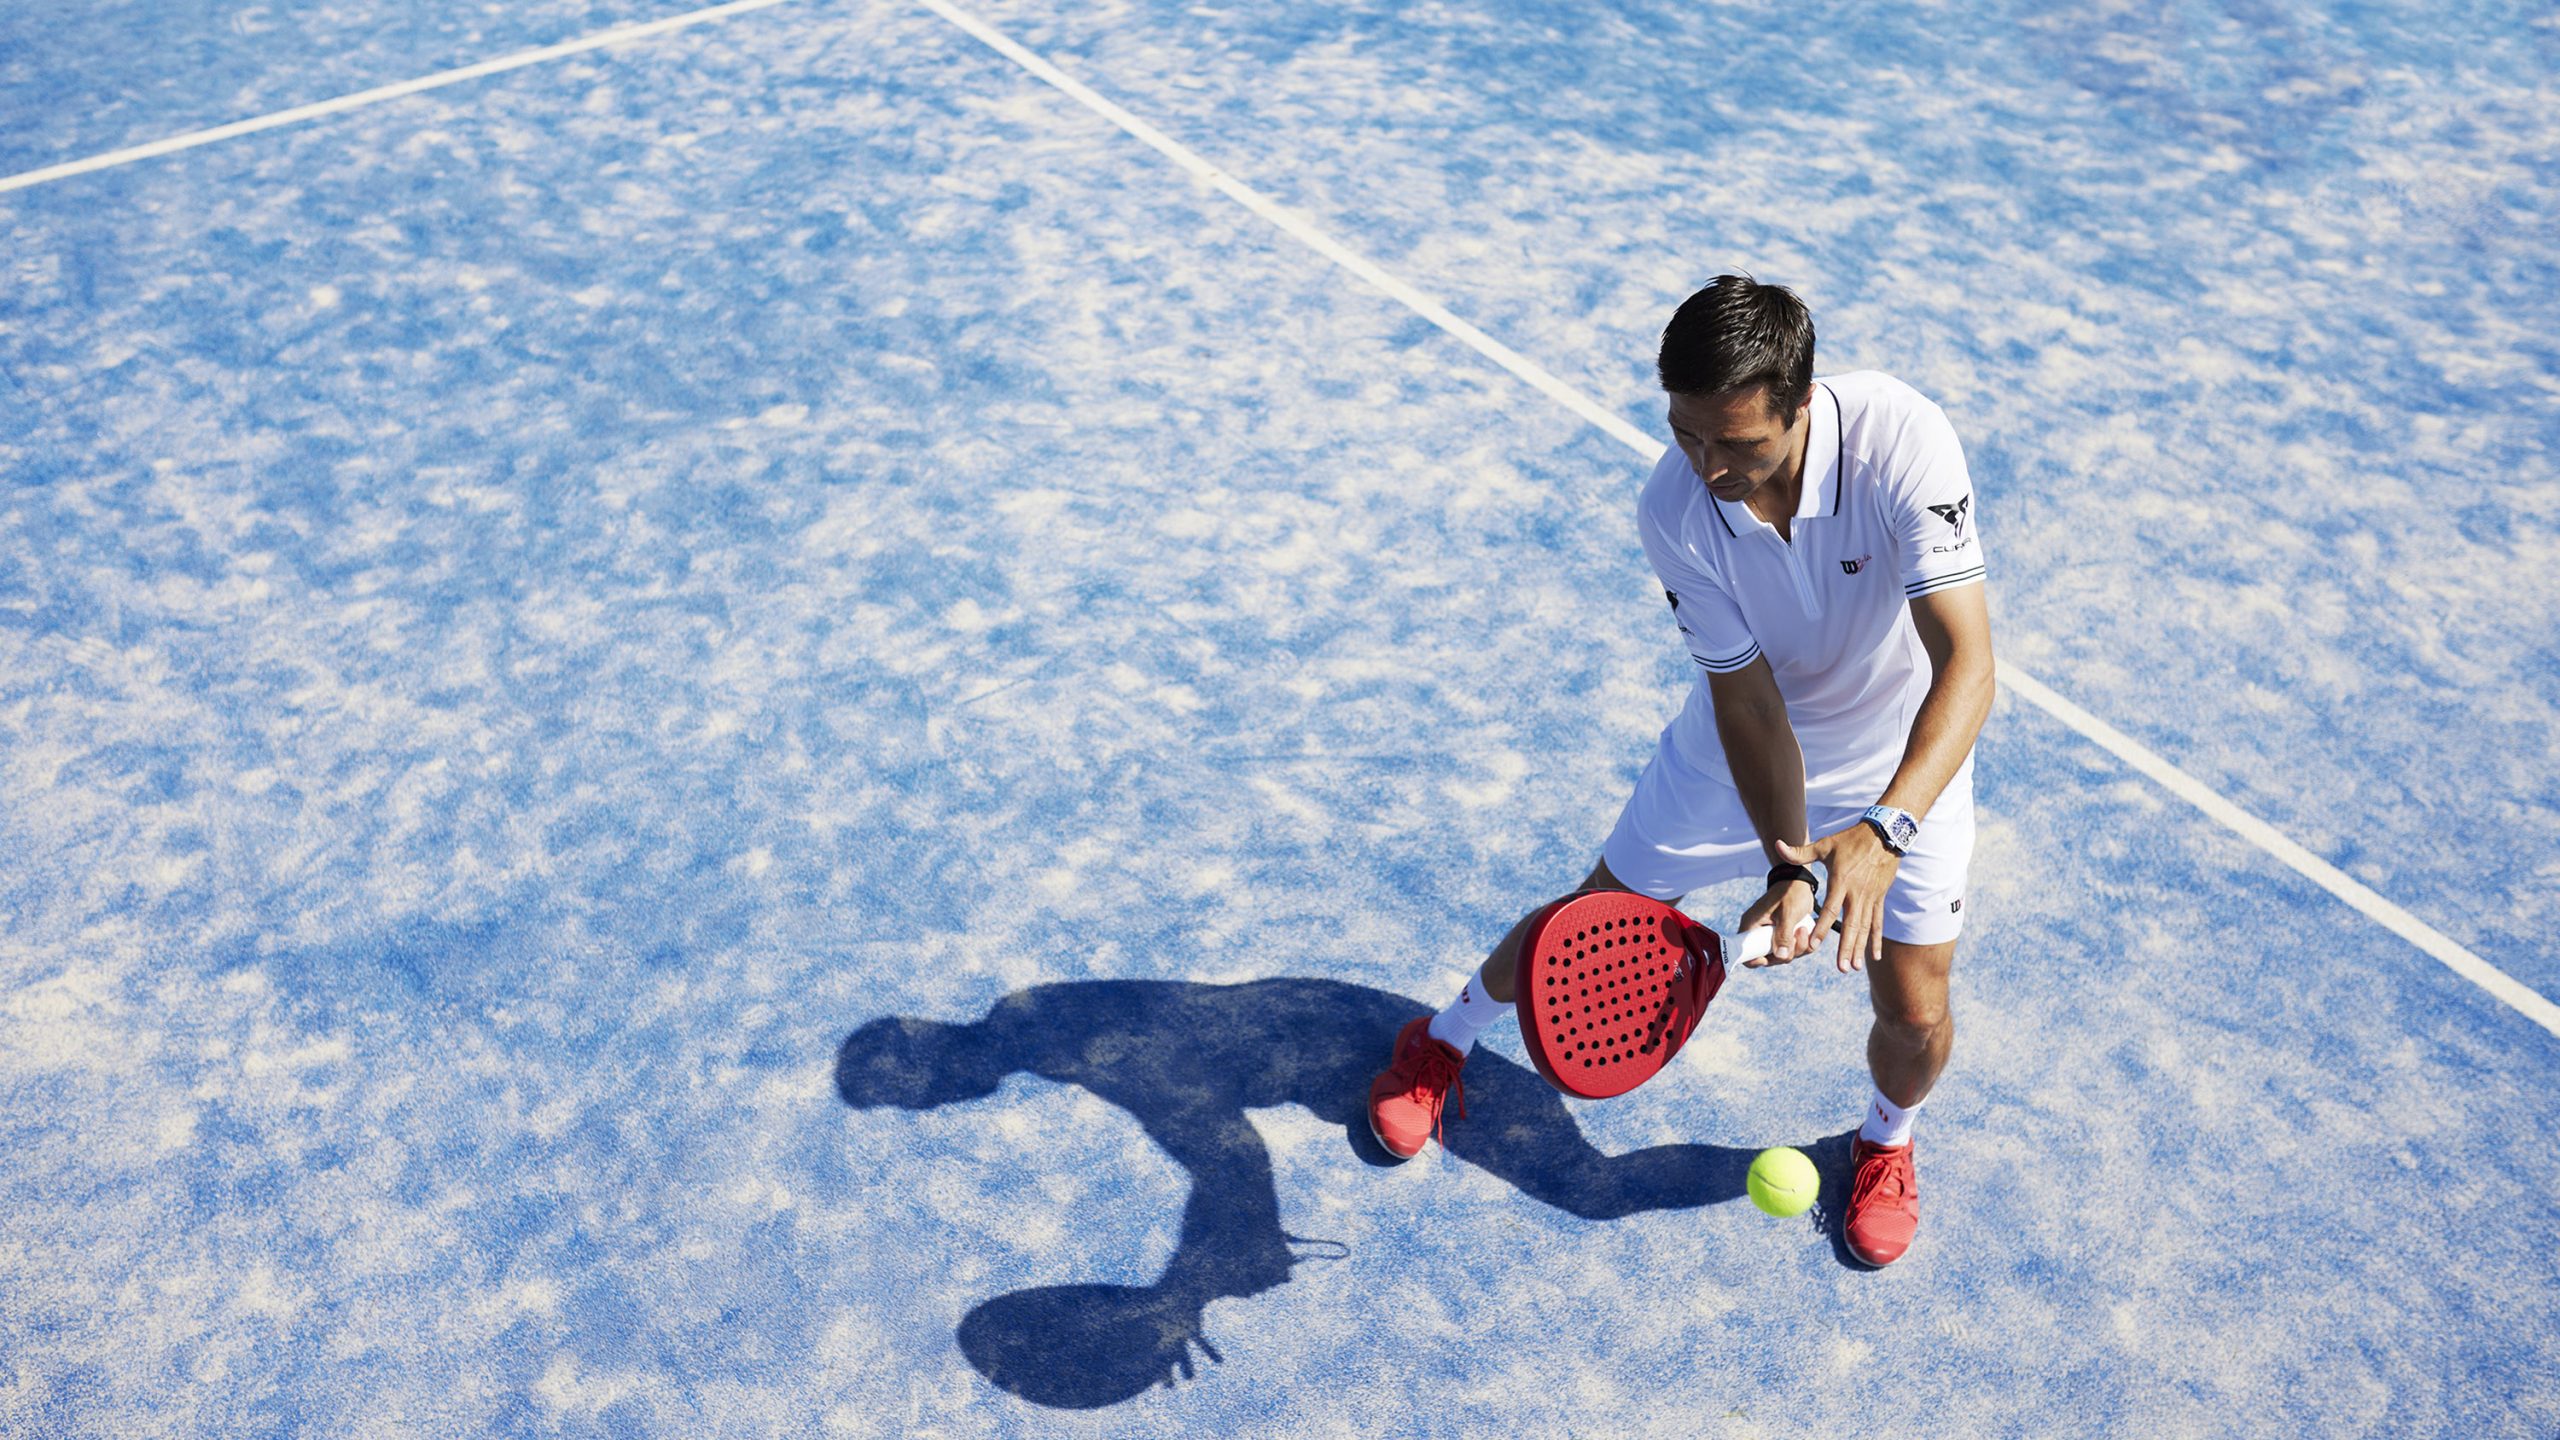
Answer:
(1819, 544)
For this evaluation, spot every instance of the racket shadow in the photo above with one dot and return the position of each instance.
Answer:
(1187, 1061)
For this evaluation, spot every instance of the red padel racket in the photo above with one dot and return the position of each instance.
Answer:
(1611, 984)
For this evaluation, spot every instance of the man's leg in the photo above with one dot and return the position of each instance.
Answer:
(1913, 1031)
(1907, 1047)
(1406, 1099)
(1680, 831)
(1504, 963)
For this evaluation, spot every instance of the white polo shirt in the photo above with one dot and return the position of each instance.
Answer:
(1887, 515)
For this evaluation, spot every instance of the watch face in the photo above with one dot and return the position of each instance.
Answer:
(1897, 828)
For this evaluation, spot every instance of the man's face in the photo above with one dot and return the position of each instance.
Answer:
(1735, 440)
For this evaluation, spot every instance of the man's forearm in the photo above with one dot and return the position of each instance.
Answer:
(1768, 771)
(1942, 734)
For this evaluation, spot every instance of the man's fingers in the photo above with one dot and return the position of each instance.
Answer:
(1830, 916)
(1854, 924)
(1800, 854)
(1802, 938)
(1769, 910)
(1783, 945)
(1783, 948)
(1777, 955)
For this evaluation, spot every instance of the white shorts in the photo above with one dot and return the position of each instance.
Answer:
(1684, 831)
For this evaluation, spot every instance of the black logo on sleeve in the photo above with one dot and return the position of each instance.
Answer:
(1954, 514)
(1674, 599)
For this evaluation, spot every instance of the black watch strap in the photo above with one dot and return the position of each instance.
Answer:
(1794, 872)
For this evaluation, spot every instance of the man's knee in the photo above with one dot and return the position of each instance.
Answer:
(1909, 989)
(1498, 968)
(1914, 1018)
(1603, 878)
(1600, 878)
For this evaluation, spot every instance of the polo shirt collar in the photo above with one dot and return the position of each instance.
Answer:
(1823, 462)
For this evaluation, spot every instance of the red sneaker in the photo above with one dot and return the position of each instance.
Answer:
(1405, 1099)
(1884, 1202)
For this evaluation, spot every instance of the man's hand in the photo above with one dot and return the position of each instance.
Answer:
(1861, 870)
(1789, 906)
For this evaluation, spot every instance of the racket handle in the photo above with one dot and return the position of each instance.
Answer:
(1754, 944)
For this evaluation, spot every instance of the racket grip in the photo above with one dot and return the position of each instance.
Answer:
(1754, 944)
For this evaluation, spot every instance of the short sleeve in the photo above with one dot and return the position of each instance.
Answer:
(1710, 623)
(1929, 509)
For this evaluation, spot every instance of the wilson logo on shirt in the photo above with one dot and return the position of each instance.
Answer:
(1953, 514)
(1852, 567)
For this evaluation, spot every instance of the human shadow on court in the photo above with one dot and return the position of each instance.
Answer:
(1188, 1060)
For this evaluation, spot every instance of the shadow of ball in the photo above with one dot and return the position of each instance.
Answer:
(1081, 1347)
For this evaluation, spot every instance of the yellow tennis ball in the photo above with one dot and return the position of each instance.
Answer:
(1783, 1181)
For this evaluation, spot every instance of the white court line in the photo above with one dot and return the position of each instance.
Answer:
(2362, 899)
(377, 95)
(2522, 998)
(2531, 1003)
(1299, 230)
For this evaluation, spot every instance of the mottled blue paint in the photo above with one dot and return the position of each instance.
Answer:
(530, 614)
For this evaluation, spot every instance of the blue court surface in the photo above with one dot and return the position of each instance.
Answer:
(756, 731)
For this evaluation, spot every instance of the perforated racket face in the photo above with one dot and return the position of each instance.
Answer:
(1610, 987)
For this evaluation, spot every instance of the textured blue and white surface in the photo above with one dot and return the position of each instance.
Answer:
(547, 625)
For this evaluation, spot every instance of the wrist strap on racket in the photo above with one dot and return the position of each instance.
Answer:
(1794, 872)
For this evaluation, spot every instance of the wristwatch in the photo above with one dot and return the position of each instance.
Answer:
(1894, 827)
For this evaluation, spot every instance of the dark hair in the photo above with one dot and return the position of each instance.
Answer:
(1736, 333)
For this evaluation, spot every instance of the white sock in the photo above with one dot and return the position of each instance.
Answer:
(1467, 1016)
(1887, 1123)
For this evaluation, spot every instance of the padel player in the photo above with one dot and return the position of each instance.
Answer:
(1820, 546)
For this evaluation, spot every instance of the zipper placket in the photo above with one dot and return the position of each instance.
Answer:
(1795, 567)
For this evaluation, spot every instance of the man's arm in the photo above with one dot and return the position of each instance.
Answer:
(1768, 770)
(1955, 628)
